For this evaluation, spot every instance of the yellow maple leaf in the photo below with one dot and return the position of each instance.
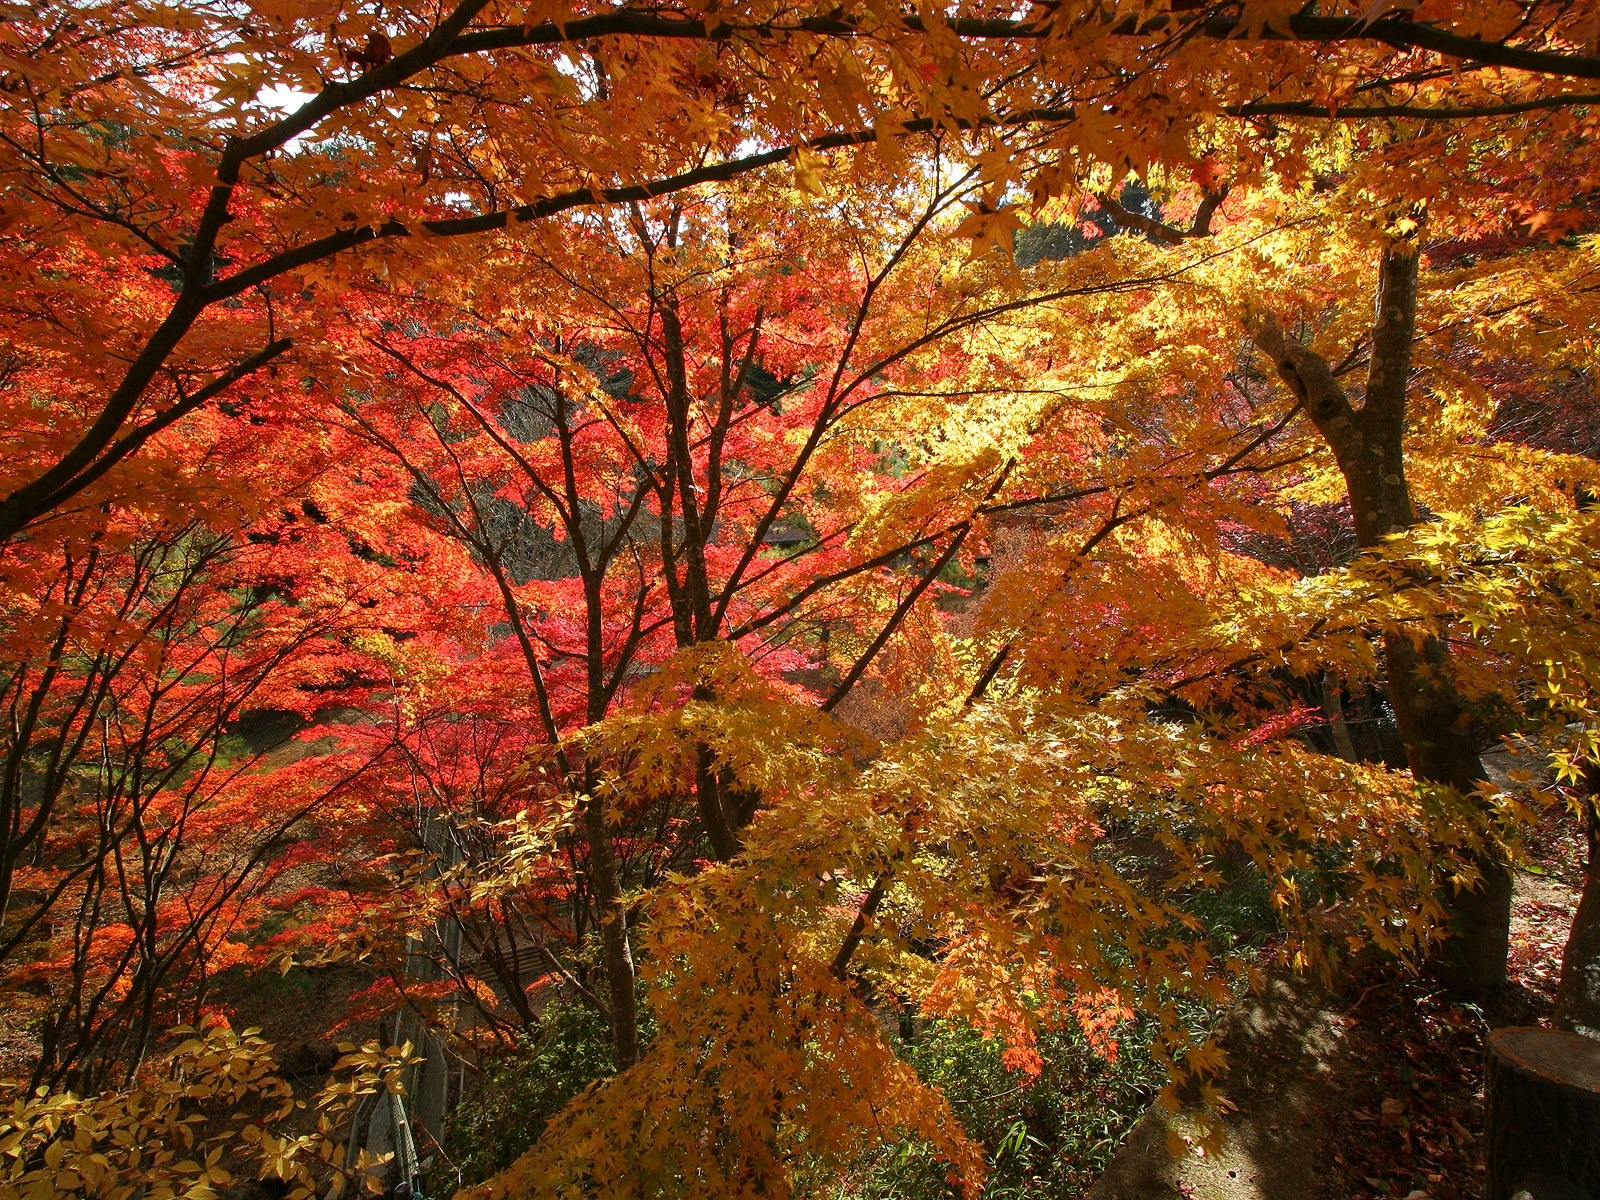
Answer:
(808, 173)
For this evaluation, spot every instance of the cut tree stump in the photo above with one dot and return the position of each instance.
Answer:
(1542, 1089)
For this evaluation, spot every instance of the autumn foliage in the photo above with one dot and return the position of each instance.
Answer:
(771, 524)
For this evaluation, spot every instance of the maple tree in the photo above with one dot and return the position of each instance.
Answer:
(770, 606)
(1142, 498)
(156, 143)
(661, 529)
(139, 828)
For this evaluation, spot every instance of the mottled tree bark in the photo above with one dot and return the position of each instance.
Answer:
(1578, 996)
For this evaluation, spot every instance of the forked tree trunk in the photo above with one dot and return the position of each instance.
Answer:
(1368, 444)
(1542, 1125)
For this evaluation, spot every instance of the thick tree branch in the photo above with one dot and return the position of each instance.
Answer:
(864, 660)
(1396, 31)
(858, 927)
(1421, 112)
(76, 471)
(1169, 235)
(1309, 377)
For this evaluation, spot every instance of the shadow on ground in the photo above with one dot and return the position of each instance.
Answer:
(1375, 1091)
(1284, 1046)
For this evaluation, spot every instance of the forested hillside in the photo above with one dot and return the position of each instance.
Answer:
(690, 599)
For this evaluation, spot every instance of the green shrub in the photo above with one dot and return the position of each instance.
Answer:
(1047, 1137)
(516, 1096)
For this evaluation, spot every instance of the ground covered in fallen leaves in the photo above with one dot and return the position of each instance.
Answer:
(1373, 1091)
(1405, 1094)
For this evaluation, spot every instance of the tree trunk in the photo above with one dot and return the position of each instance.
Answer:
(1333, 703)
(1578, 996)
(1542, 1123)
(622, 1005)
(1368, 444)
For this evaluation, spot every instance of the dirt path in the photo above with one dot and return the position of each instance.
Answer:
(1374, 1091)
(1280, 1047)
